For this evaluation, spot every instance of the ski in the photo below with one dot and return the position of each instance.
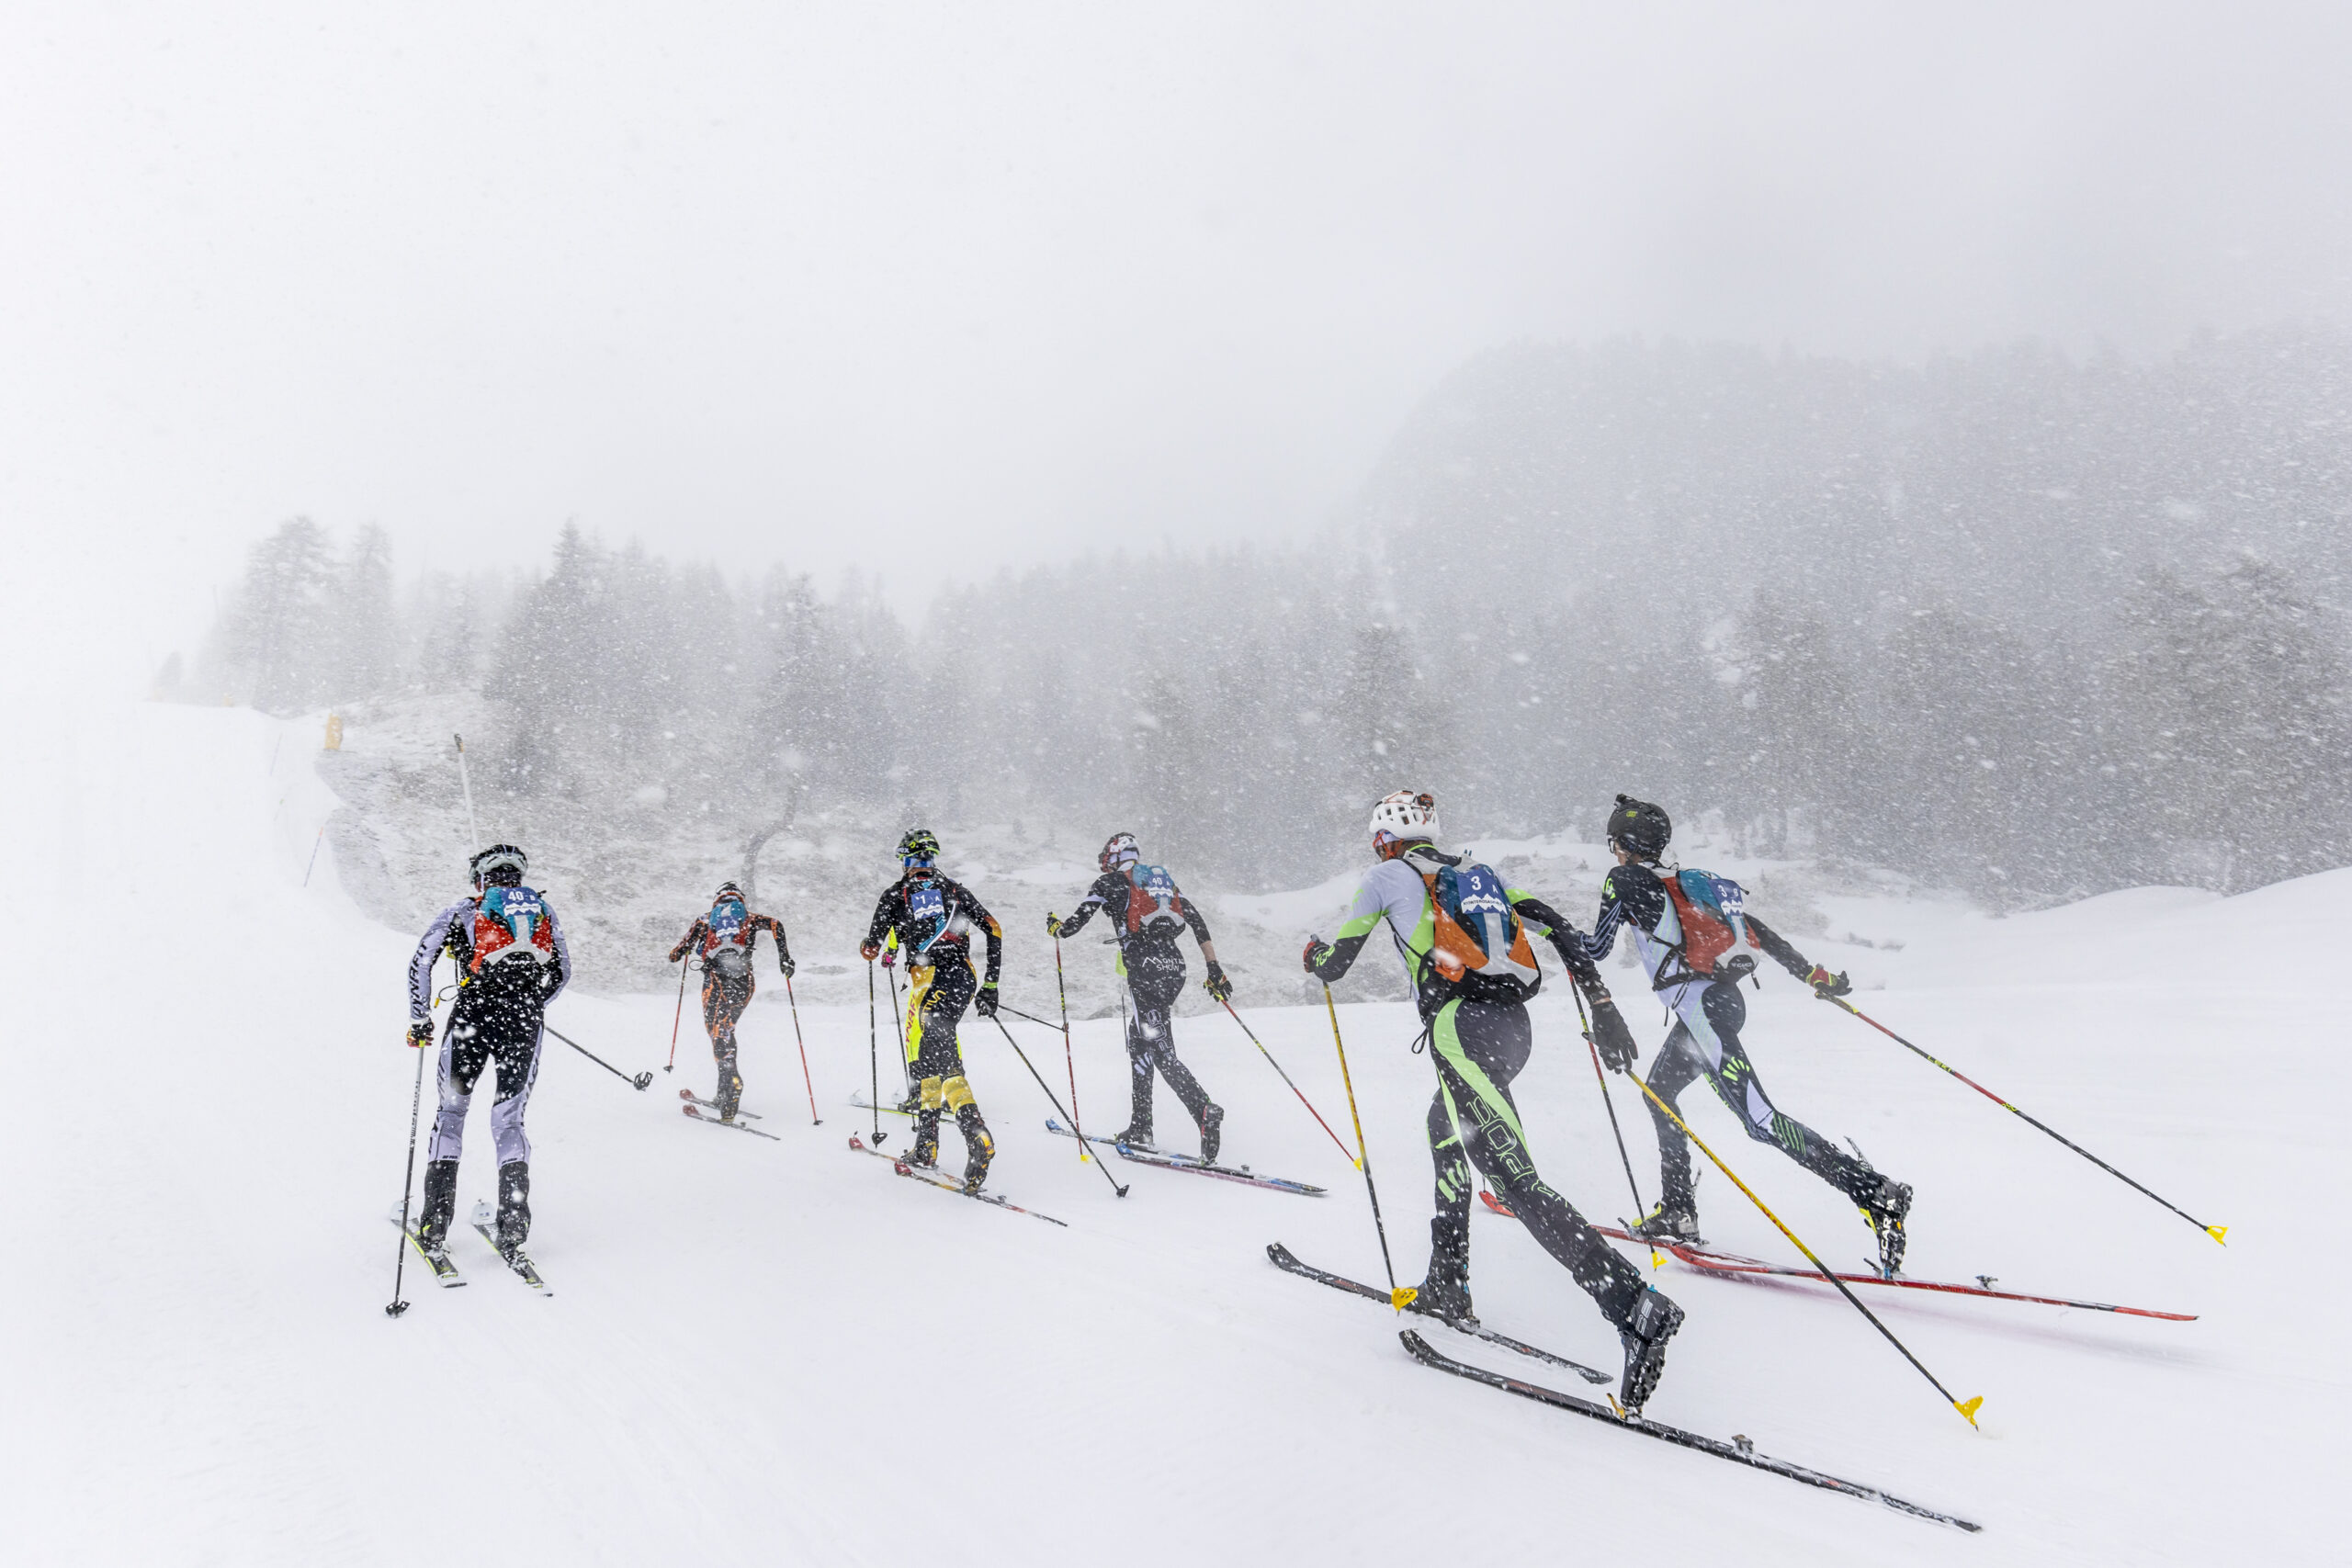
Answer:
(1281, 1257)
(445, 1272)
(865, 1104)
(715, 1122)
(948, 1183)
(691, 1097)
(1708, 1261)
(1170, 1161)
(486, 1226)
(1738, 1450)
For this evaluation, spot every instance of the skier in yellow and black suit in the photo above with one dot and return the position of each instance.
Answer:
(931, 919)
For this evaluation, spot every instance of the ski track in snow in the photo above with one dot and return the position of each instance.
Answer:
(762, 1353)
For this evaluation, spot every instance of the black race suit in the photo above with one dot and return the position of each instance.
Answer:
(1153, 966)
(932, 919)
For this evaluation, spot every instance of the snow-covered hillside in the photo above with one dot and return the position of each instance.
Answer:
(766, 1352)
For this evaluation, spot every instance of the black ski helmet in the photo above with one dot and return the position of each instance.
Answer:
(727, 890)
(920, 844)
(1639, 827)
(490, 863)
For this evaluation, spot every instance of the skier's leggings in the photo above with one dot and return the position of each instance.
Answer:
(941, 994)
(1705, 1042)
(1152, 990)
(723, 1001)
(1478, 1048)
(493, 1020)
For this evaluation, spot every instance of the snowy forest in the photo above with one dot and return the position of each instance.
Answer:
(2024, 623)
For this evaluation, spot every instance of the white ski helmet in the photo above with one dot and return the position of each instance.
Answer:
(1119, 850)
(1407, 816)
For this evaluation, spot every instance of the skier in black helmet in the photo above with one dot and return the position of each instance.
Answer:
(512, 962)
(1148, 914)
(1686, 926)
(930, 919)
(1462, 936)
(723, 939)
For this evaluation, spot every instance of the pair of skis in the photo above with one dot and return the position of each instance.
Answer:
(485, 1224)
(1738, 1450)
(1709, 1261)
(1168, 1160)
(741, 1123)
(947, 1183)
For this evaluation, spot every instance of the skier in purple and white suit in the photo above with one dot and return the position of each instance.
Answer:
(512, 962)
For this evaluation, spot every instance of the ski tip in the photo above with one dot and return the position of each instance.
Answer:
(1402, 1296)
(2218, 1233)
(1969, 1407)
(855, 1141)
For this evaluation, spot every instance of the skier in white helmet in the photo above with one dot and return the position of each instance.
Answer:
(1464, 938)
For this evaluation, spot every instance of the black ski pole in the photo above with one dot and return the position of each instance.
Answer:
(408, 1184)
(1069, 1058)
(1057, 1104)
(898, 1011)
(638, 1082)
(1618, 1133)
(873, 1056)
(2217, 1231)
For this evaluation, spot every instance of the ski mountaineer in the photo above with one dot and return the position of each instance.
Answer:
(931, 919)
(512, 962)
(1462, 936)
(1684, 925)
(723, 939)
(1148, 914)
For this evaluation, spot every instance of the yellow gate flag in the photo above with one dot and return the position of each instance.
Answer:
(335, 732)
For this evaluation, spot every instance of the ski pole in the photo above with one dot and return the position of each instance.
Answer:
(1286, 1077)
(408, 1183)
(1967, 1408)
(1602, 1079)
(873, 1056)
(314, 854)
(1069, 1058)
(1057, 1104)
(679, 1017)
(638, 1082)
(801, 1040)
(1397, 1298)
(2216, 1231)
(906, 1053)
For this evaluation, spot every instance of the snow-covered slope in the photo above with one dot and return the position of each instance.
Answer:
(780, 1353)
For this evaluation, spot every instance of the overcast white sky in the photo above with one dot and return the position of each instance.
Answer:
(925, 289)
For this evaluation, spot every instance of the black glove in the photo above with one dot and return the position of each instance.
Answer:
(1218, 988)
(1313, 954)
(784, 962)
(421, 1031)
(984, 1003)
(1610, 1037)
(1825, 985)
(1053, 924)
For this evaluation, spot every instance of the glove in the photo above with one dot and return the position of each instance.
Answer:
(1313, 954)
(1825, 985)
(1610, 1037)
(419, 1032)
(784, 962)
(984, 1003)
(890, 958)
(1053, 923)
(867, 950)
(1218, 988)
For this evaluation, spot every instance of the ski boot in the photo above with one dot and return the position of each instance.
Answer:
(514, 1204)
(1885, 1211)
(910, 1106)
(1674, 1223)
(1651, 1324)
(979, 1149)
(924, 1155)
(1444, 1294)
(730, 1095)
(1212, 1132)
(1133, 1136)
(439, 1208)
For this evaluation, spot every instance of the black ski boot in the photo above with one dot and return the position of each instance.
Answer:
(924, 1155)
(439, 1208)
(730, 1093)
(1212, 1134)
(1885, 1211)
(1133, 1136)
(514, 1204)
(1651, 1324)
(978, 1149)
(1446, 1293)
(1674, 1223)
